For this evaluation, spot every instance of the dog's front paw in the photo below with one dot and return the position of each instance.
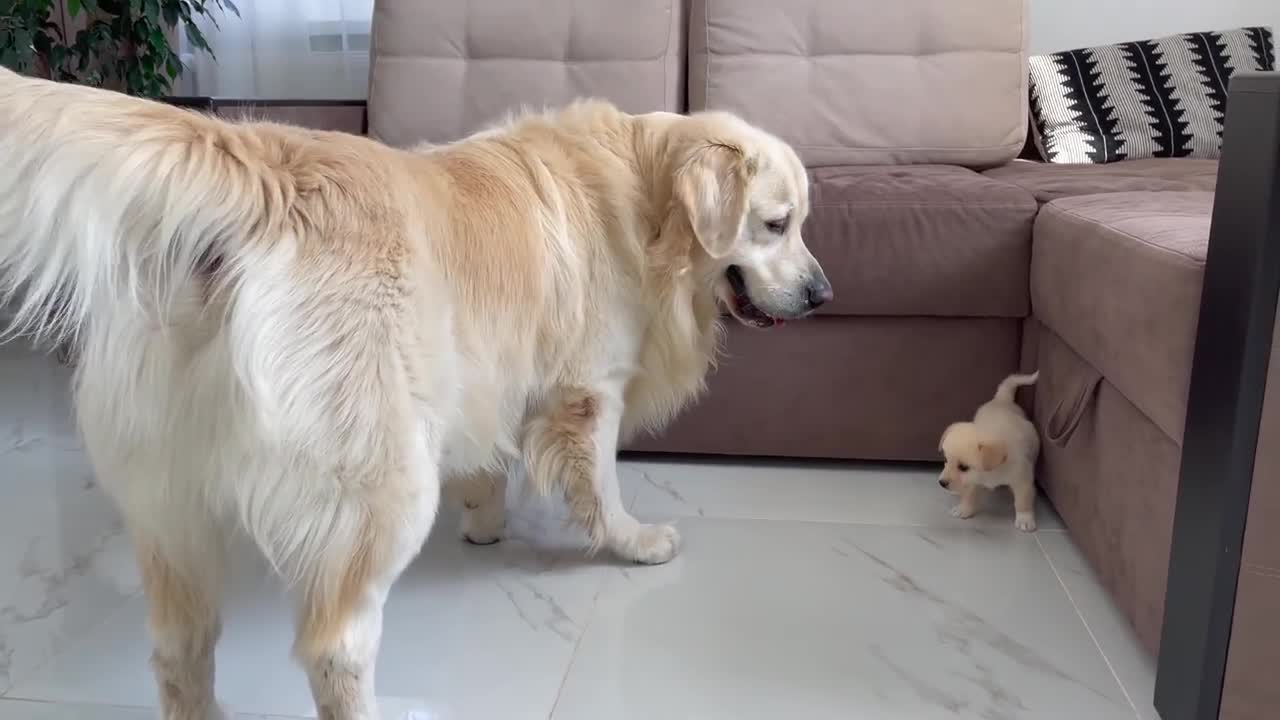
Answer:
(962, 511)
(650, 544)
(1025, 521)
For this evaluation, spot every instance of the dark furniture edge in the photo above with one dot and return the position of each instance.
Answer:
(213, 104)
(220, 102)
(1224, 405)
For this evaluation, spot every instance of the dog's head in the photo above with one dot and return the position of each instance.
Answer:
(969, 454)
(743, 195)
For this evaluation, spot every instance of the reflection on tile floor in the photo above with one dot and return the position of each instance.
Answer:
(804, 590)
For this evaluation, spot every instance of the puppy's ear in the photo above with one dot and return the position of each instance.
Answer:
(711, 187)
(993, 454)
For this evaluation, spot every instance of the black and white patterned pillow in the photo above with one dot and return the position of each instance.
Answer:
(1153, 98)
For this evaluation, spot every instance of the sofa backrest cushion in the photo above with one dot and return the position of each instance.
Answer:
(443, 69)
(867, 81)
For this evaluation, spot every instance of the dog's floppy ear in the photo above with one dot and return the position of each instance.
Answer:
(711, 187)
(993, 454)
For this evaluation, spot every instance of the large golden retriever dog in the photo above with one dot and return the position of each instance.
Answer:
(300, 335)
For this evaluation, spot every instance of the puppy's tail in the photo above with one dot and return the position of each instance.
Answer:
(1009, 386)
(106, 199)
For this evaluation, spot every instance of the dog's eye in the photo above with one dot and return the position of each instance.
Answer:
(963, 467)
(778, 226)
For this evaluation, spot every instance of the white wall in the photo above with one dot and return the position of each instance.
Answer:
(1069, 24)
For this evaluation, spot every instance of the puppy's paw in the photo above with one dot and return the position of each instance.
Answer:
(962, 511)
(650, 544)
(484, 537)
(1025, 521)
(483, 526)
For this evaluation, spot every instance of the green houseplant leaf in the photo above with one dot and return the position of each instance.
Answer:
(124, 43)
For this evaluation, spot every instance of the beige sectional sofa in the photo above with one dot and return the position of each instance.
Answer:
(954, 264)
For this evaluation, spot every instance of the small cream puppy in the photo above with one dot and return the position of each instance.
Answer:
(999, 447)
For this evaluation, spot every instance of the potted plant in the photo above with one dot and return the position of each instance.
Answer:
(124, 45)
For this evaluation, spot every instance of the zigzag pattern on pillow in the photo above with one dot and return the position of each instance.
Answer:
(1161, 98)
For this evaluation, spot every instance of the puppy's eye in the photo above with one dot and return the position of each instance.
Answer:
(778, 226)
(963, 468)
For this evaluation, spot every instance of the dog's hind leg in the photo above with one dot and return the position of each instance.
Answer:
(375, 530)
(182, 587)
(126, 391)
(573, 444)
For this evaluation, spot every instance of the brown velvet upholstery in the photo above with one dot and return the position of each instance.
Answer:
(1112, 474)
(339, 117)
(1050, 182)
(921, 240)
(1115, 286)
(1118, 277)
(866, 388)
(1251, 691)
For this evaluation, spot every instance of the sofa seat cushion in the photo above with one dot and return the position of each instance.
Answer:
(869, 388)
(1049, 182)
(1118, 277)
(921, 240)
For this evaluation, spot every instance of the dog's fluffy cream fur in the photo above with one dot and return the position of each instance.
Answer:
(998, 447)
(300, 335)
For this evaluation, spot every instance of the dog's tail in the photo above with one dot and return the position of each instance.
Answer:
(1009, 386)
(110, 199)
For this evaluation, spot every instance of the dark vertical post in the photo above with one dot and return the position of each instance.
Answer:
(1224, 408)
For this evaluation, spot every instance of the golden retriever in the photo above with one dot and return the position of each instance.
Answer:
(997, 448)
(300, 335)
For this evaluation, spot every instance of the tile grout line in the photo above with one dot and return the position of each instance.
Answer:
(591, 616)
(1070, 598)
(577, 647)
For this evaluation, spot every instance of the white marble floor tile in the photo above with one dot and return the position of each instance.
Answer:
(803, 590)
(843, 622)
(814, 492)
(470, 632)
(1134, 667)
(64, 560)
(31, 710)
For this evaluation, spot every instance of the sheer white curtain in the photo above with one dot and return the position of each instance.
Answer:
(284, 50)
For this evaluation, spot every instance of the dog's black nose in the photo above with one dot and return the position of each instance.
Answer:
(818, 293)
(943, 483)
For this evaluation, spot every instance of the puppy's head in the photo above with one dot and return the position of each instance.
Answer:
(743, 194)
(968, 454)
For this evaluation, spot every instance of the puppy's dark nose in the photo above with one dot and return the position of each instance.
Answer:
(943, 483)
(818, 293)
